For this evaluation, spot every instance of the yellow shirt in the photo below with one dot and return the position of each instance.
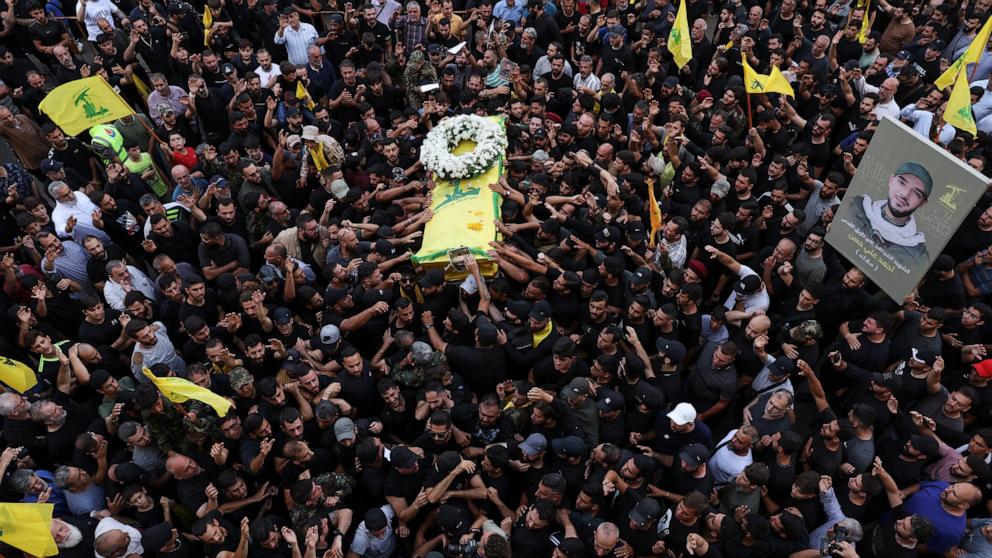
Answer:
(457, 24)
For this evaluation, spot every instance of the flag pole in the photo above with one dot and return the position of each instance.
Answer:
(748, 97)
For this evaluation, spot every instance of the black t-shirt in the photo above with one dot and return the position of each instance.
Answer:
(76, 155)
(529, 543)
(48, 34)
(104, 333)
(406, 486)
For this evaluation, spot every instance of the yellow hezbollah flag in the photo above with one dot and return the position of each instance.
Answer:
(761, 83)
(27, 527)
(304, 95)
(179, 390)
(958, 113)
(865, 24)
(970, 56)
(208, 22)
(679, 40)
(654, 212)
(83, 103)
(17, 374)
(464, 215)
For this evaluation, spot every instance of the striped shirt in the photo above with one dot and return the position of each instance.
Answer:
(297, 41)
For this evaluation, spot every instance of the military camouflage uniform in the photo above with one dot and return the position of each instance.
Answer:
(333, 484)
(414, 376)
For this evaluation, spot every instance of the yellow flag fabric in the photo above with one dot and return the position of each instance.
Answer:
(83, 103)
(654, 212)
(17, 375)
(208, 22)
(464, 211)
(761, 83)
(865, 24)
(27, 527)
(970, 56)
(179, 390)
(958, 113)
(304, 95)
(679, 40)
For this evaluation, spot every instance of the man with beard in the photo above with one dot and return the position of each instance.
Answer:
(890, 224)
(74, 535)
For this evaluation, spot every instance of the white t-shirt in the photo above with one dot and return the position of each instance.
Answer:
(110, 524)
(725, 464)
(756, 301)
(95, 9)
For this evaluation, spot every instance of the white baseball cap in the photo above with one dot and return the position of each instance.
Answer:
(683, 413)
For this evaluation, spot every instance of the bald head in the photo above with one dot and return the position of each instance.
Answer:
(112, 544)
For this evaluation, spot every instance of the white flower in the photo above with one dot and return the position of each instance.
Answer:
(489, 137)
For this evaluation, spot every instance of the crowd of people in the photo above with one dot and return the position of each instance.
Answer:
(732, 387)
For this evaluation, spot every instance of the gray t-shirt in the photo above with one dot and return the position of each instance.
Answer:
(374, 547)
(860, 453)
(707, 386)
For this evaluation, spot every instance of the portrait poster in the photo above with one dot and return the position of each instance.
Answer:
(902, 207)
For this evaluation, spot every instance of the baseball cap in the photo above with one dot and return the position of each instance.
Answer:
(541, 311)
(608, 234)
(51, 165)
(327, 338)
(783, 366)
(610, 401)
(720, 188)
(694, 455)
(671, 349)
(683, 413)
(925, 356)
(294, 139)
(670, 81)
(534, 444)
(648, 395)
(375, 519)
(578, 387)
(571, 446)
(918, 171)
(402, 457)
(646, 511)
(937, 45)
(748, 285)
(344, 429)
(294, 360)
(228, 69)
(451, 519)
(282, 316)
(240, 377)
(641, 276)
(983, 368)
(904, 54)
(637, 231)
(422, 352)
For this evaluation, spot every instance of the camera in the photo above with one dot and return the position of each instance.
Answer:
(831, 546)
(455, 549)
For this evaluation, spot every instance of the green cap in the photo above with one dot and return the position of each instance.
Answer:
(918, 171)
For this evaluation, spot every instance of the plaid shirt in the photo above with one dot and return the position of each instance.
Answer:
(18, 178)
(412, 33)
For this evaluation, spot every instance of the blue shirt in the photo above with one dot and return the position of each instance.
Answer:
(510, 13)
(948, 529)
(57, 497)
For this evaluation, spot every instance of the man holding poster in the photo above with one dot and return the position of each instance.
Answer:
(902, 207)
(890, 221)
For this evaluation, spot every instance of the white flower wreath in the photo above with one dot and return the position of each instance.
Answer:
(490, 145)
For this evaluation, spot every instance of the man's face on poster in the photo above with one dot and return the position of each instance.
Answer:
(907, 193)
